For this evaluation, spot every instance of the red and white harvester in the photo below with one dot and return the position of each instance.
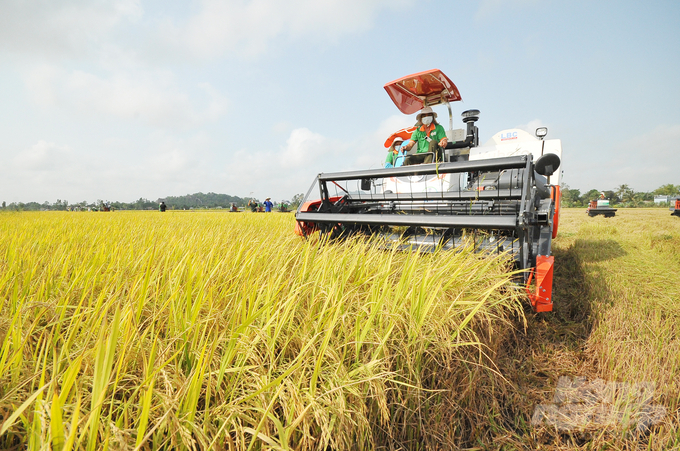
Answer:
(503, 196)
(675, 207)
(600, 207)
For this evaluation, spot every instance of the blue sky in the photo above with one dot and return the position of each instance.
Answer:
(121, 99)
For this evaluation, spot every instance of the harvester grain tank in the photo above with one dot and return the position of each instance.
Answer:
(503, 196)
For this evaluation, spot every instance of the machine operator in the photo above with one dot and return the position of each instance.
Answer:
(430, 138)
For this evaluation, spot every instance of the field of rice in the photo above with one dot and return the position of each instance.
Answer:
(210, 330)
(227, 331)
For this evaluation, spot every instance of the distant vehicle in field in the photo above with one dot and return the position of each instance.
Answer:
(675, 207)
(600, 207)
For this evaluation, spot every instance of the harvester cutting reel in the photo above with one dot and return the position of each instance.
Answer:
(497, 205)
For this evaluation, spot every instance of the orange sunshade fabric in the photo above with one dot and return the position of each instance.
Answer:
(410, 93)
(404, 133)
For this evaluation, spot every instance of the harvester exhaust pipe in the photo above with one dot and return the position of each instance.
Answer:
(472, 138)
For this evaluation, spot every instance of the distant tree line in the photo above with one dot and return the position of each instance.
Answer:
(200, 200)
(623, 196)
(187, 202)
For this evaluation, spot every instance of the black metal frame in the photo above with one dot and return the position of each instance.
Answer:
(523, 212)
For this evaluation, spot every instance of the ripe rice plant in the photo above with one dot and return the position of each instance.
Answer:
(184, 330)
(616, 319)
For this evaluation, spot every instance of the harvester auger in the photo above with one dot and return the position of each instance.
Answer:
(497, 197)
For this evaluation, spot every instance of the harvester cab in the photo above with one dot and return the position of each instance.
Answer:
(502, 197)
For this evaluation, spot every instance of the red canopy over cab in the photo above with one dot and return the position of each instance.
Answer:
(416, 91)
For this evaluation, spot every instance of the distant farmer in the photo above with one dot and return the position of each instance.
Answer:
(429, 139)
(252, 205)
(162, 207)
(268, 205)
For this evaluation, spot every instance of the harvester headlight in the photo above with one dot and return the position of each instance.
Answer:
(541, 132)
(470, 116)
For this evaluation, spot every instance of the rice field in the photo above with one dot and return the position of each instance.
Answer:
(188, 330)
(617, 318)
(207, 330)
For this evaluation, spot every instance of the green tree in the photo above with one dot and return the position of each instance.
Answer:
(625, 193)
(570, 197)
(667, 190)
(612, 196)
(591, 195)
(297, 200)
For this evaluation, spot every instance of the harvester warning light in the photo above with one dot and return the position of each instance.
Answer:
(508, 135)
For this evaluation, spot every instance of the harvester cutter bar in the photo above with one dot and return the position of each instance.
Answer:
(458, 221)
(431, 242)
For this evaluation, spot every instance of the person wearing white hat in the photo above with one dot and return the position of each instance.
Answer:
(268, 205)
(393, 153)
(429, 137)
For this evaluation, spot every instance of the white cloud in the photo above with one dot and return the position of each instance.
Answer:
(531, 126)
(303, 147)
(370, 151)
(48, 27)
(289, 170)
(43, 156)
(45, 171)
(292, 169)
(151, 97)
(247, 27)
(172, 158)
(116, 170)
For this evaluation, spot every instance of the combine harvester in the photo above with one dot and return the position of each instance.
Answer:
(675, 207)
(498, 197)
(600, 207)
